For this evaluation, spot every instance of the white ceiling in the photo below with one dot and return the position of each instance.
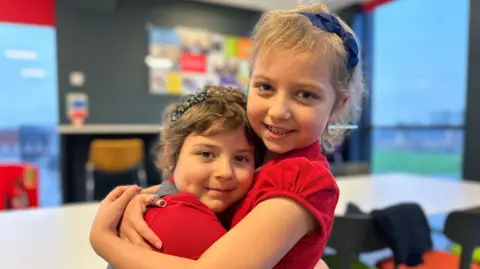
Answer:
(263, 5)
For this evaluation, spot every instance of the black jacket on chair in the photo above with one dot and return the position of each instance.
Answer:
(406, 229)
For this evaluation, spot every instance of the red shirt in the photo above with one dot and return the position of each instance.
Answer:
(188, 228)
(302, 175)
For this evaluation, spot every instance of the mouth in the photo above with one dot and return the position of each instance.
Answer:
(277, 132)
(220, 190)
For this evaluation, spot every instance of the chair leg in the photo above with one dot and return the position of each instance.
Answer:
(89, 182)
(466, 257)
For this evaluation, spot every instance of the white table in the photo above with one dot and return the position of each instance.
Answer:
(50, 238)
(435, 195)
(57, 238)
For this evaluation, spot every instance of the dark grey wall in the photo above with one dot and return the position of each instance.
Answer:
(471, 156)
(109, 45)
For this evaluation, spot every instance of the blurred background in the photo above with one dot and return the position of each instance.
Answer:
(83, 85)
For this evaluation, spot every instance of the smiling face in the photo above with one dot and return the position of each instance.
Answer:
(290, 99)
(218, 169)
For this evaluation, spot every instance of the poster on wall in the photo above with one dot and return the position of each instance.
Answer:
(182, 60)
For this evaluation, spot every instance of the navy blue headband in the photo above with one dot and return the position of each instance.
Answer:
(331, 24)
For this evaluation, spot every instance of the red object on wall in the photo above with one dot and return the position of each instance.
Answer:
(18, 186)
(196, 63)
(37, 12)
(369, 6)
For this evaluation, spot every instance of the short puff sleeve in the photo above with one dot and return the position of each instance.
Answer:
(307, 182)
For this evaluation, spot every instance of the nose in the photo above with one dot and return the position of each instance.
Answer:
(223, 169)
(280, 109)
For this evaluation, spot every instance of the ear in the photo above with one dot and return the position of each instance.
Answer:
(165, 152)
(338, 108)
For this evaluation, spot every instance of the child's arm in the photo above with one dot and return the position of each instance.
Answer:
(132, 226)
(261, 239)
(258, 241)
(150, 190)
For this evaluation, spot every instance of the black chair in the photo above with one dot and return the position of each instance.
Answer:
(352, 235)
(463, 227)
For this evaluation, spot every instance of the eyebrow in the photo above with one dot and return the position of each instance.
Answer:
(305, 84)
(212, 146)
(246, 150)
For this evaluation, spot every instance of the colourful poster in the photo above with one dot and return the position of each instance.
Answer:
(244, 48)
(164, 55)
(218, 44)
(182, 60)
(244, 74)
(164, 48)
(158, 81)
(193, 82)
(174, 83)
(193, 63)
(230, 47)
(194, 41)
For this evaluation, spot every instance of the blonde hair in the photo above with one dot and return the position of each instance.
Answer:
(223, 110)
(289, 30)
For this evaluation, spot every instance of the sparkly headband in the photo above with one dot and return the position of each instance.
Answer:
(331, 24)
(197, 98)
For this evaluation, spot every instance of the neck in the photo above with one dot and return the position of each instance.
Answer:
(269, 156)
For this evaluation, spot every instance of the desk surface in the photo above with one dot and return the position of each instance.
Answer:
(435, 195)
(57, 238)
(50, 238)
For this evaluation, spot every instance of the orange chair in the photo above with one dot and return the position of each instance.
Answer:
(462, 227)
(115, 156)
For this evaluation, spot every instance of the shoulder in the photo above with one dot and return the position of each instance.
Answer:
(307, 182)
(299, 175)
(178, 221)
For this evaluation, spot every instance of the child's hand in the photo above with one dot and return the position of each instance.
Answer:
(321, 265)
(112, 207)
(109, 214)
(133, 227)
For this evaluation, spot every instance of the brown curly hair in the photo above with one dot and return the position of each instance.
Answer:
(224, 110)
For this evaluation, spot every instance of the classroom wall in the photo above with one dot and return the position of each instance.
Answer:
(108, 43)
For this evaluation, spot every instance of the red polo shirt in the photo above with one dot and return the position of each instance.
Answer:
(188, 228)
(302, 175)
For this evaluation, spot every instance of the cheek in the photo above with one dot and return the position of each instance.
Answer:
(255, 107)
(314, 120)
(189, 178)
(245, 177)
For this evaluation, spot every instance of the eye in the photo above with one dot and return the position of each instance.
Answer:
(206, 154)
(241, 159)
(264, 87)
(307, 95)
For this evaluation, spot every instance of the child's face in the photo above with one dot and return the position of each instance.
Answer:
(217, 169)
(290, 99)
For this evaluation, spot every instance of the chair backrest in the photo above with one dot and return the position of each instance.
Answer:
(355, 233)
(116, 155)
(463, 227)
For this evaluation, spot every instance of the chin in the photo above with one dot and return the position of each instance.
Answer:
(276, 147)
(217, 206)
